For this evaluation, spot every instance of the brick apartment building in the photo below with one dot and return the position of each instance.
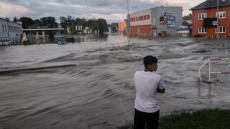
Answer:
(205, 18)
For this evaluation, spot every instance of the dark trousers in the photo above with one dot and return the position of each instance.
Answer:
(140, 118)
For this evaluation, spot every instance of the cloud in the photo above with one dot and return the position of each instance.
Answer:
(9, 10)
(112, 10)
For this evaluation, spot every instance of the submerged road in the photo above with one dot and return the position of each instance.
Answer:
(99, 92)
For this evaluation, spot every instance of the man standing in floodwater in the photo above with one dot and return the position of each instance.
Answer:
(147, 85)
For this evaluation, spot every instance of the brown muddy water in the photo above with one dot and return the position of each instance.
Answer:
(99, 92)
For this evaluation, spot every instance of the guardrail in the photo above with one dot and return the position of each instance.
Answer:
(209, 61)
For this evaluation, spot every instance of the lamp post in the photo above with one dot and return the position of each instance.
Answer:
(217, 18)
(138, 22)
(128, 23)
(98, 27)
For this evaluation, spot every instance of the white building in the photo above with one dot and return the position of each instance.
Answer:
(10, 31)
(156, 21)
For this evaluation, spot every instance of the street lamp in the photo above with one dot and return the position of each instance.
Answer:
(138, 21)
(217, 19)
(98, 26)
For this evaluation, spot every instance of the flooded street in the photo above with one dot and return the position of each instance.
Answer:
(82, 86)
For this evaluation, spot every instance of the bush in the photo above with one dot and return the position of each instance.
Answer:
(202, 119)
(70, 40)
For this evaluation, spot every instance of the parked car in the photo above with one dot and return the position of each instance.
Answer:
(62, 41)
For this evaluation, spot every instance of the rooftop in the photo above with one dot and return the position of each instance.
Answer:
(157, 7)
(20, 23)
(211, 4)
(187, 18)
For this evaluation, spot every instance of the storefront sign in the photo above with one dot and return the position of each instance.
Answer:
(184, 31)
(171, 26)
(171, 21)
(163, 20)
(42, 27)
(166, 13)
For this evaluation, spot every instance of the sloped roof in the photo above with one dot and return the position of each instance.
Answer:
(211, 4)
(187, 18)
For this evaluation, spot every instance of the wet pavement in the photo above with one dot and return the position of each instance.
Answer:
(94, 88)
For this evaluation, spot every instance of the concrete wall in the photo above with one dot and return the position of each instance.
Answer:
(157, 13)
(12, 31)
(3, 30)
(141, 22)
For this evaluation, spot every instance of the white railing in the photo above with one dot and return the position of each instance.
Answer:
(209, 61)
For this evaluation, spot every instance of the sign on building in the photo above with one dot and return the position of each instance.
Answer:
(163, 20)
(171, 25)
(171, 21)
(166, 13)
(184, 31)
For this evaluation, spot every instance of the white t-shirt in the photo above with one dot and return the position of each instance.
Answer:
(146, 84)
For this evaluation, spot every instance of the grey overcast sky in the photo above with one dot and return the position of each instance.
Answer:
(112, 10)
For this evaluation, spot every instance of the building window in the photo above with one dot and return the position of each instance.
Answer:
(5, 28)
(221, 14)
(222, 29)
(2, 28)
(201, 16)
(202, 30)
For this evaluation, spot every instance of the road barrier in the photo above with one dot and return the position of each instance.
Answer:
(209, 61)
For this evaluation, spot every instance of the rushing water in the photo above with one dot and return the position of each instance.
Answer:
(98, 92)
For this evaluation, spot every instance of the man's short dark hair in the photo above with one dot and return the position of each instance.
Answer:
(149, 60)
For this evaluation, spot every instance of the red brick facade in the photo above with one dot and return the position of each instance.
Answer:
(211, 13)
(144, 29)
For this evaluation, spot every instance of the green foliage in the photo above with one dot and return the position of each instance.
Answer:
(95, 27)
(202, 119)
(103, 26)
(26, 22)
(15, 19)
(46, 21)
(70, 40)
(51, 35)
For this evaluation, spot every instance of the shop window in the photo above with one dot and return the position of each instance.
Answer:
(202, 30)
(201, 16)
(222, 29)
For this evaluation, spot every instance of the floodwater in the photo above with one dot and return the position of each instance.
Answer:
(82, 86)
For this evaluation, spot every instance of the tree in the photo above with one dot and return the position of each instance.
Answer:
(190, 14)
(103, 26)
(95, 27)
(15, 19)
(7, 19)
(63, 22)
(26, 22)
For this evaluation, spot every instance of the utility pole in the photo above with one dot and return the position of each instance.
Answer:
(217, 18)
(138, 30)
(98, 27)
(128, 24)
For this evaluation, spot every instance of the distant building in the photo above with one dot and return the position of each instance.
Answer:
(10, 31)
(156, 21)
(205, 18)
(121, 26)
(187, 19)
